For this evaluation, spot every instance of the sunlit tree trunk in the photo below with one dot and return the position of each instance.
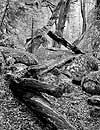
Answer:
(61, 20)
(83, 15)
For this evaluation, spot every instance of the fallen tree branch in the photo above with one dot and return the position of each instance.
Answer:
(32, 85)
(38, 105)
(25, 97)
(64, 43)
(44, 69)
(61, 40)
(29, 91)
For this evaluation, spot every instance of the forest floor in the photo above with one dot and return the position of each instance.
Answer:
(72, 105)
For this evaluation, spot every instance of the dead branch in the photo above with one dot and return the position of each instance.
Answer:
(58, 39)
(64, 43)
(44, 69)
(32, 85)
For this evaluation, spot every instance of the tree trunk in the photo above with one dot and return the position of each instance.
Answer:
(90, 41)
(32, 41)
(83, 15)
(61, 20)
(53, 18)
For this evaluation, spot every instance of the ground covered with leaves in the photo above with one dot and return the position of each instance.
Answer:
(72, 105)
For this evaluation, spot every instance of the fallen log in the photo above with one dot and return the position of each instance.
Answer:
(36, 71)
(37, 109)
(25, 97)
(36, 104)
(33, 85)
(39, 106)
(19, 56)
(28, 91)
(61, 40)
(57, 66)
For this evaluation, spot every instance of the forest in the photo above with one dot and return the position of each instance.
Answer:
(49, 65)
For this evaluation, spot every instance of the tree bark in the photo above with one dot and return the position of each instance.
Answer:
(28, 91)
(61, 20)
(83, 15)
(64, 42)
(37, 104)
(30, 49)
(53, 18)
(32, 85)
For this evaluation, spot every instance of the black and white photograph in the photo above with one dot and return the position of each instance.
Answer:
(49, 64)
